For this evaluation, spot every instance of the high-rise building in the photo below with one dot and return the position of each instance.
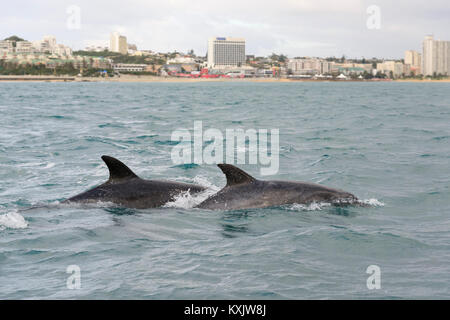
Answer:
(118, 43)
(226, 52)
(414, 60)
(435, 57)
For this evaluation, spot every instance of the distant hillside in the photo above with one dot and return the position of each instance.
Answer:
(14, 38)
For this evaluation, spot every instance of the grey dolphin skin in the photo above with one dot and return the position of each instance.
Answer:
(126, 189)
(244, 192)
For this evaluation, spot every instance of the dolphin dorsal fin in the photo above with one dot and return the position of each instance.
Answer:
(117, 170)
(235, 175)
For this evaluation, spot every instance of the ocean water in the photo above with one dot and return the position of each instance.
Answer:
(388, 143)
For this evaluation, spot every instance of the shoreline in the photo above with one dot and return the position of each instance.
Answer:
(135, 78)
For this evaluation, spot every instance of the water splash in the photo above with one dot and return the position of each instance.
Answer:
(186, 200)
(12, 220)
(371, 202)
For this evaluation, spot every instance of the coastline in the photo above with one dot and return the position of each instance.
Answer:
(136, 78)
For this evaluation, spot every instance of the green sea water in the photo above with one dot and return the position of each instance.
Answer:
(387, 143)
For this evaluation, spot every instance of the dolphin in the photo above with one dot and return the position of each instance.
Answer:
(126, 189)
(242, 191)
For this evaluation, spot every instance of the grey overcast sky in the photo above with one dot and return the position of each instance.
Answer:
(292, 27)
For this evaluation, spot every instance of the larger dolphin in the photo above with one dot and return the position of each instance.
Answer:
(244, 192)
(126, 189)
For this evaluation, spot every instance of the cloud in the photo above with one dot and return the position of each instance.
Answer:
(292, 27)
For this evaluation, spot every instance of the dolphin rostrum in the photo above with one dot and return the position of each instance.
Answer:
(126, 189)
(244, 192)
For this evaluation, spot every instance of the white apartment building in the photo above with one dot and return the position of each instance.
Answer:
(62, 50)
(397, 68)
(435, 57)
(414, 60)
(129, 67)
(309, 66)
(41, 46)
(224, 52)
(51, 40)
(118, 43)
(6, 46)
(24, 47)
(48, 45)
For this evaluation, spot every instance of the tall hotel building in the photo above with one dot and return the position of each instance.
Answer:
(118, 43)
(435, 57)
(226, 52)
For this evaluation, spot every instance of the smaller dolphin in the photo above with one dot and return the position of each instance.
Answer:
(244, 192)
(126, 189)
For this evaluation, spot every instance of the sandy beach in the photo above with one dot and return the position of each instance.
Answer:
(135, 78)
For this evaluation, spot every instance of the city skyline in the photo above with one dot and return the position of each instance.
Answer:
(226, 56)
(294, 28)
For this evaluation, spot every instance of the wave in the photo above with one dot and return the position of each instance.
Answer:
(12, 220)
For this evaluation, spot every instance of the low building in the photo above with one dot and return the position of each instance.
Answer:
(172, 68)
(101, 63)
(61, 50)
(128, 67)
(309, 66)
(393, 69)
(6, 46)
(351, 70)
(24, 47)
(41, 46)
(153, 68)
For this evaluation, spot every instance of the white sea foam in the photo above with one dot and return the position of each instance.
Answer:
(372, 202)
(50, 165)
(317, 206)
(187, 200)
(12, 220)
